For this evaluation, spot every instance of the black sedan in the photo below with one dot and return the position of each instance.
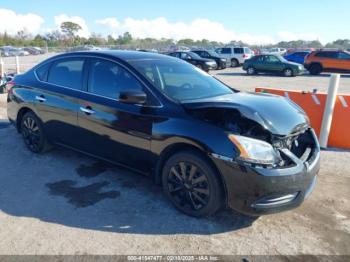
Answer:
(221, 62)
(209, 146)
(194, 59)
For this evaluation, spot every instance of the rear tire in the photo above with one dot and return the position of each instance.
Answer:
(315, 69)
(234, 62)
(192, 184)
(33, 133)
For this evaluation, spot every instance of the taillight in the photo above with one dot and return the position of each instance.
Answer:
(245, 56)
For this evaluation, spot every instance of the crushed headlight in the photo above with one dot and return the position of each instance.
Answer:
(254, 150)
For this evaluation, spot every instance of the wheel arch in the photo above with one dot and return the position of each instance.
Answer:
(315, 63)
(180, 147)
(20, 114)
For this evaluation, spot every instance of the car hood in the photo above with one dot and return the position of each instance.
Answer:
(204, 59)
(293, 63)
(277, 114)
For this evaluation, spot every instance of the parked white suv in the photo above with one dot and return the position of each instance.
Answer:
(237, 55)
(277, 51)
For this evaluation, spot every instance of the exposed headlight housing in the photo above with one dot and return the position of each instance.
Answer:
(255, 151)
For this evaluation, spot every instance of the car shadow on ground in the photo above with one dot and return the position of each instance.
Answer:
(67, 188)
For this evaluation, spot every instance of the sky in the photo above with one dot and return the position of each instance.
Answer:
(254, 21)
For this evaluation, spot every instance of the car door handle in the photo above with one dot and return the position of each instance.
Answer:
(87, 110)
(40, 98)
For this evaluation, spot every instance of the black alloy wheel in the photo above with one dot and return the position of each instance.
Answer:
(33, 133)
(192, 185)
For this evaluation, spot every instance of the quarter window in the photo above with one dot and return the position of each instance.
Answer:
(109, 79)
(67, 73)
(42, 71)
(238, 50)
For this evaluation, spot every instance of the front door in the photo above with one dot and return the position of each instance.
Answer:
(110, 129)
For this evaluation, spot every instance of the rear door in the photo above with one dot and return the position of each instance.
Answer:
(344, 61)
(273, 64)
(57, 103)
(110, 129)
(328, 59)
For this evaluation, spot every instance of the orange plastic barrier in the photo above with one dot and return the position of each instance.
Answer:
(313, 104)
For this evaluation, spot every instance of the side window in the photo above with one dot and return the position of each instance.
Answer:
(174, 54)
(226, 51)
(238, 50)
(327, 54)
(343, 55)
(261, 59)
(218, 50)
(185, 56)
(109, 79)
(204, 54)
(42, 71)
(272, 59)
(67, 73)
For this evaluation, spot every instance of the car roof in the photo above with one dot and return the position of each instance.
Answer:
(121, 54)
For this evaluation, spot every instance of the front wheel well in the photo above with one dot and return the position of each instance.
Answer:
(315, 64)
(20, 114)
(181, 147)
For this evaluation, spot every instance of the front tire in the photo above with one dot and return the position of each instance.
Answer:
(251, 71)
(192, 184)
(315, 69)
(288, 72)
(33, 133)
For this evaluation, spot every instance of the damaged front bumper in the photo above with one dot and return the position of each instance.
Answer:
(255, 190)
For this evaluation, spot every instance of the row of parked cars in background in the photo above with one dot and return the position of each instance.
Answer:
(290, 64)
(15, 51)
(219, 58)
(316, 62)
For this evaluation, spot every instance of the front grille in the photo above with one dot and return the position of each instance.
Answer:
(303, 145)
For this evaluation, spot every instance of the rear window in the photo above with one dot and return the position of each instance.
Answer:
(67, 73)
(248, 51)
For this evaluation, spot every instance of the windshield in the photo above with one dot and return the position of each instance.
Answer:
(194, 55)
(179, 80)
(212, 53)
(282, 59)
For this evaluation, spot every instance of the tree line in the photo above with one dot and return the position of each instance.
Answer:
(68, 37)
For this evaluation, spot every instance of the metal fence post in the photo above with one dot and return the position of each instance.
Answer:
(328, 110)
(17, 65)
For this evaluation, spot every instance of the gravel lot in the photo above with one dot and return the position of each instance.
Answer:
(66, 203)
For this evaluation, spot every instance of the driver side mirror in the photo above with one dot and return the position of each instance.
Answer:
(133, 97)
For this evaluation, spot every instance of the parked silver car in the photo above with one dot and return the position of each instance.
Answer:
(13, 51)
(237, 55)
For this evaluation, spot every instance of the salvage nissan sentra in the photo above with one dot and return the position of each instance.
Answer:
(209, 146)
